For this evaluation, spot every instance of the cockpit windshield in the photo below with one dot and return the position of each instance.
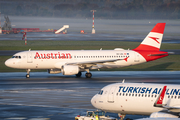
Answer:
(18, 57)
(100, 92)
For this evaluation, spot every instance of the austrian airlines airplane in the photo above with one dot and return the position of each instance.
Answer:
(156, 100)
(73, 62)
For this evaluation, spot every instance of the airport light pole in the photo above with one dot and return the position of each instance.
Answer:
(93, 30)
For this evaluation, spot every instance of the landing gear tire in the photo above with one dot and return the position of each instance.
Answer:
(27, 75)
(79, 74)
(28, 71)
(88, 75)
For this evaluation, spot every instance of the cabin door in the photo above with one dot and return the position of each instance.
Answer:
(29, 58)
(111, 94)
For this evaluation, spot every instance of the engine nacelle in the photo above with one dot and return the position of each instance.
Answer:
(70, 70)
(54, 71)
(162, 115)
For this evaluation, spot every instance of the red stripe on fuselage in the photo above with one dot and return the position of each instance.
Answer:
(148, 51)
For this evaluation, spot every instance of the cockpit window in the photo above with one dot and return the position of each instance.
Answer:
(18, 57)
(100, 92)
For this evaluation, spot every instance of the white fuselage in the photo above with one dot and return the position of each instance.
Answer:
(56, 59)
(135, 98)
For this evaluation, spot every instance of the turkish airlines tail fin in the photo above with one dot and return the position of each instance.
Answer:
(153, 39)
(159, 101)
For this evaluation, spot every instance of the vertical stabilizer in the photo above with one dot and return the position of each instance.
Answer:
(153, 39)
(159, 100)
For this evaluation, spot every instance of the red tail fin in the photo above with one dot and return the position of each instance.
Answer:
(159, 101)
(153, 39)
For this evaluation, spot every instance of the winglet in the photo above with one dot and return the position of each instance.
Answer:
(160, 98)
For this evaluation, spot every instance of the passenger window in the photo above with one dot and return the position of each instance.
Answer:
(119, 94)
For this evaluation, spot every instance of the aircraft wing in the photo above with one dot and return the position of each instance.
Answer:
(94, 62)
(172, 109)
(159, 102)
(91, 64)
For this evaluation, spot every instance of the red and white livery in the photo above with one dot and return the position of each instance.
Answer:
(73, 62)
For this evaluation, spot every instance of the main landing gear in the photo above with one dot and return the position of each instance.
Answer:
(79, 74)
(28, 71)
(88, 75)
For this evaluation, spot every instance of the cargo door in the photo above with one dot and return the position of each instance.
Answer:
(111, 94)
(29, 58)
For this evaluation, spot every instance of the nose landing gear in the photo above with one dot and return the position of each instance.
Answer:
(28, 71)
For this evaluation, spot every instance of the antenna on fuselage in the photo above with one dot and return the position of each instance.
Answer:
(123, 81)
(30, 49)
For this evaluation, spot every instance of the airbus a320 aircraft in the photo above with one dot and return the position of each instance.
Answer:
(73, 62)
(156, 100)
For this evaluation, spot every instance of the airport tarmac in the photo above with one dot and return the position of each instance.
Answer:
(58, 97)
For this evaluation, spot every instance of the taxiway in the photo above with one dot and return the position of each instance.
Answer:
(58, 97)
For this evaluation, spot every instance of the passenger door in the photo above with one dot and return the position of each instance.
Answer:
(29, 58)
(111, 94)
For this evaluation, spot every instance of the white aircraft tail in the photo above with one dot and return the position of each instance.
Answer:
(153, 39)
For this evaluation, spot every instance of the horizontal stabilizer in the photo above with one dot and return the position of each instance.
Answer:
(158, 54)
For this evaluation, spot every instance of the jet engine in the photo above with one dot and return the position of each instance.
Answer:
(70, 70)
(162, 115)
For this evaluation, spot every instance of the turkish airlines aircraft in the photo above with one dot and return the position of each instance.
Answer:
(156, 100)
(73, 62)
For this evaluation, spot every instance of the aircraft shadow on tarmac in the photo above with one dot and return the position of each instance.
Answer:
(160, 67)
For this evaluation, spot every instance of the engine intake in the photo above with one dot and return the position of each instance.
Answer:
(70, 70)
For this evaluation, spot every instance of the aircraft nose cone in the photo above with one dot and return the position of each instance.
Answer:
(7, 63)
(93, 101)
(10, 63)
